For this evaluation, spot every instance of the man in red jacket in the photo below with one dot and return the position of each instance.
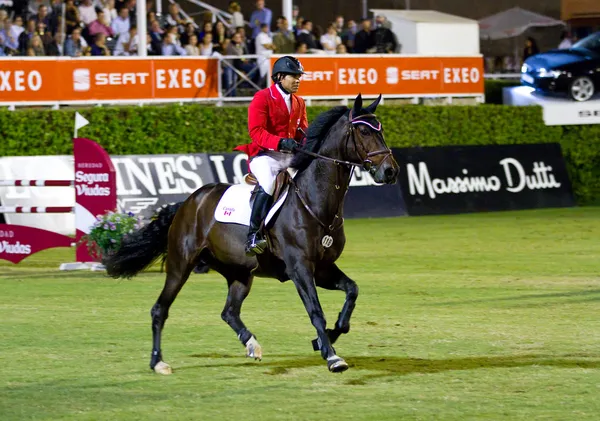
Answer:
(276, 120)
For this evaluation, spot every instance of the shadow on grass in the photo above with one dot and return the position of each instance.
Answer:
(382, 367)
(590, 295)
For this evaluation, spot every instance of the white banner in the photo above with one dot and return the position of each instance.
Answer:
(567, 113)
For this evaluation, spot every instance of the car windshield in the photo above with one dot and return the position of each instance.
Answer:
(591, 42)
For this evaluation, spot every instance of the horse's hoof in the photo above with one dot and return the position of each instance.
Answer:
(337, 365)
(163, 368)
(253, 349)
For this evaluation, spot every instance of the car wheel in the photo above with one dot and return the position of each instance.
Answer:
(582, 88)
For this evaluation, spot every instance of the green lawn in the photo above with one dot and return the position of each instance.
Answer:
(481, 316)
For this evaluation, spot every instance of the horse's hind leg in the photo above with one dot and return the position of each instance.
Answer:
(331, 277)
(178, 271)
(239, 288)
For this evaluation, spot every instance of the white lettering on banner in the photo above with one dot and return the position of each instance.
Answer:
(357, 76)
(421, 183)
(362, 178)
(7, 234)
(17, 248)
(175, 175)
(461, 75)
(88, 186)
(117, 79)
(325, 76)
(33, 81)
(542, 178)
(96, 190)
(420, 74)
(180, 79)
(90, 178)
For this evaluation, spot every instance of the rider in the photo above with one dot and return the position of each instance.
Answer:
(276, 120)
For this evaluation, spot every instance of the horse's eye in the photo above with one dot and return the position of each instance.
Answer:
(364, 131)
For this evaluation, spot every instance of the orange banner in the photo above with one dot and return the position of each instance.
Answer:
(66, 79)
(348, 75)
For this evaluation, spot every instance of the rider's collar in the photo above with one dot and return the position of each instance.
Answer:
(367, 119)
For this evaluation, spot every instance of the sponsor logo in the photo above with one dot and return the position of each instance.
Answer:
(118, 79)
(589, 113)
(137, 205)
(180, 78)
(86, 184)
(81, 80)
(461, 75)
(515, 180)
(16, 248)
(391, 75)
(345, 76)
(7, 234)
(228, 211)
(20, 81)
(157, 175)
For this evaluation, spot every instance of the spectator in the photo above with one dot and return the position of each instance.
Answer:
(56, 47)
(18, 25)
(317, 33)
(154, 49)
(171, 46)
(237, 18)
(348, 35)
(206, 29)
(156, 34)
(26, 36)
(295, 14)
(55, 15)
(36, 47)
(121, 24)
(298, 26)
(87, 12)
(530, 49)
(10, 38)
(565, 41)
(46, 36)
(363, 40)
(127, 43)
(190, 30)
(110, 13)
(191, 49)
(284, 39)
(42, 15)
(242, 31)
(264, 47)
(34, 6)
(381, 21)
(237, 47)
(99, 47)
(74, 45)
(339, 25)
(72, 19)
(330, 40)
(305, 36)
(341, 49)
(206, 46)
(219, 33)
(383, 38)
(260, 16)
(174, 18)
(100, 26)
(301, 48)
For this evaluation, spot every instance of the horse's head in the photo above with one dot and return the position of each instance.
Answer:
(367, 133)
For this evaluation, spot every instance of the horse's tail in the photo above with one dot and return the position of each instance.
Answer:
(141, 248)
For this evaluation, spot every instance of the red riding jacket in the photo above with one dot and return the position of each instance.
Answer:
(269, 120)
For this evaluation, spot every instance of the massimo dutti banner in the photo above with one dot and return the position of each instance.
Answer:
(458, 179)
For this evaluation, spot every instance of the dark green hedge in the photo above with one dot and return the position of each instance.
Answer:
(493, 89)
(201, 128)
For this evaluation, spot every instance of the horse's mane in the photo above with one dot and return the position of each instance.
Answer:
(316, 134)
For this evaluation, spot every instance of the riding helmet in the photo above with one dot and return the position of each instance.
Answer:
(287, 65)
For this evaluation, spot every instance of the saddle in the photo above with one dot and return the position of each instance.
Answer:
(281, 182)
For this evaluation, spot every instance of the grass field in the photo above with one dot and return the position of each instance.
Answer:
(487, 316)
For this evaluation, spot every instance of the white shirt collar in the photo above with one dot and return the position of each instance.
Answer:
(286, 97)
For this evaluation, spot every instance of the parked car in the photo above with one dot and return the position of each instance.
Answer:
(574, 71)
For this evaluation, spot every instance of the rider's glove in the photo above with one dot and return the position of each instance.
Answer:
(287, 145)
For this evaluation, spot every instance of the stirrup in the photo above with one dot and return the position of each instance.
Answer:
(256, 245)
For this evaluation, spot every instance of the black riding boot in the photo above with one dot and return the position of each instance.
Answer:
(257, 243)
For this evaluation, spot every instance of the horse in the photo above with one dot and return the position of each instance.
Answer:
(305, 239)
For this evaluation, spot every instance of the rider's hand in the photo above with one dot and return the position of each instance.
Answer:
(287, 145)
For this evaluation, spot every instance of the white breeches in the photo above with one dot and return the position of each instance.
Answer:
(266, 167)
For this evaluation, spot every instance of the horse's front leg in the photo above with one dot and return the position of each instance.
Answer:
(332, 278)
(302, 274)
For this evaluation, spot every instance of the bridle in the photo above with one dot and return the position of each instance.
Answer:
(354, 132)
(366, 164)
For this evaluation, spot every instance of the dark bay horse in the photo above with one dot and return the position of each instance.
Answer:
(306, 238)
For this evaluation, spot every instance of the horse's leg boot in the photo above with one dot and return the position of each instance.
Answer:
(257, 243)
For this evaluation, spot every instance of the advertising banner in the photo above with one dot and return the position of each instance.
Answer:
(444, 180)
(109, 79)
(397, 75)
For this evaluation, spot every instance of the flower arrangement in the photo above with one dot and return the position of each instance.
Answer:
(109, 230)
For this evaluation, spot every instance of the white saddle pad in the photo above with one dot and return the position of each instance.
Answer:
(234, 206)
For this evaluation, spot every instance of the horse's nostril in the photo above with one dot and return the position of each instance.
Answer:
(388, 173)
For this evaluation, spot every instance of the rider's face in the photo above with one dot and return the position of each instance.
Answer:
(291, 83)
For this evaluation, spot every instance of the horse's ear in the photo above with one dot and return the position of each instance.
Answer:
(357, 106)
(371, 108)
